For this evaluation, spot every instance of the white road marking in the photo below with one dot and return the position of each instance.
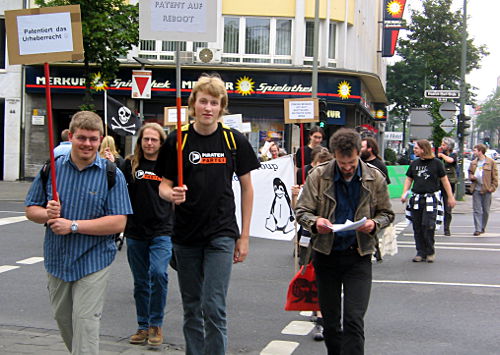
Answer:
(13, 212)
(9, 220)
(298, 327)
(435, 283)
(462, 235)
(279, 347)
(452, 248)
(29, 261)
(306, 313)
(455, 243)
(4, 268)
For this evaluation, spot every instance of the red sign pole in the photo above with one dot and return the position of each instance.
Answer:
(48, 98)
(302, 153)
(178, 101)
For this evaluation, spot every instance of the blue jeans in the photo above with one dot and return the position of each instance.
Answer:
(148, 260)
(204, 273)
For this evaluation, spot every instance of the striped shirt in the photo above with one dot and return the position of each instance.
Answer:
(84, 195)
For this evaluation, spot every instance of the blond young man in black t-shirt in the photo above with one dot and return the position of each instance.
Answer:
(206, 239)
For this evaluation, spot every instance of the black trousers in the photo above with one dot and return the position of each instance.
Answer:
(424, 235)
(447, 209)
(344, 334)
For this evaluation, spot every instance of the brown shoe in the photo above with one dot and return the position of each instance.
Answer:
(140, 337)
(155, 336)
(417, 259)
(431, 258)
(476, 234)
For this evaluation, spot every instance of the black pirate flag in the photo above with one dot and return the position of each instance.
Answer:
(121, 119)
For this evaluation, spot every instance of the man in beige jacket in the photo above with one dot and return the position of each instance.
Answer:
(484, 176)
(344, 189)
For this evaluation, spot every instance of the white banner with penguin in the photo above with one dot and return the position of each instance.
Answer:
(272, 214)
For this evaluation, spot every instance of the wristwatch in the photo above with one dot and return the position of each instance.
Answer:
(74, 227)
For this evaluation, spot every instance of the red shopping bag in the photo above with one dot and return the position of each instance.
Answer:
(302, 291)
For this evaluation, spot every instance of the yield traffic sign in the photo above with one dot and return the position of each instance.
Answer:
(447, 125)
(448, 109)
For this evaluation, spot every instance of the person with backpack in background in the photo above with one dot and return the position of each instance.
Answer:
(207, 240)
(148, 233)
(81, 221)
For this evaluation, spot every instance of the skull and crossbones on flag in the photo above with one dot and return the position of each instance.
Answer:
(122, 120)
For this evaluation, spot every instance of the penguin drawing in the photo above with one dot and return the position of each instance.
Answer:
(281, 214)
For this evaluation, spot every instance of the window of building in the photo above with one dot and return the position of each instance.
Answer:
(332, 36)
(2, 43)
(231, 34)
(309, 49)
(257, 40)
(284, 37)
(257, 36)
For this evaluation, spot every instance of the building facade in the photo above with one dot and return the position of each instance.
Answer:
(264, 53)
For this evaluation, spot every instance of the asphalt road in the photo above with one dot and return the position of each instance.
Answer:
(449, 307)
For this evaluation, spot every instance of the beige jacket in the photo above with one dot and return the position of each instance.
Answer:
(490, 175)
(318, 200)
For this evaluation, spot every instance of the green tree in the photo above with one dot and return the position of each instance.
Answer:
(430, 60)
(488, 120)
(109, 28)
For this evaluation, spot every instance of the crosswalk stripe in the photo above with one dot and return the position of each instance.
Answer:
(452, 248)
(29, 261)
(9, 220)
(435, 283)
(279, 347)
(4, 268)
(298, 327)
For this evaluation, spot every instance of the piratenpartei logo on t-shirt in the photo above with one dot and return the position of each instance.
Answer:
(207, 158)
(148, 175)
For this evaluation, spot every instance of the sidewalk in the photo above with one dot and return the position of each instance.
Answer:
(24, 340)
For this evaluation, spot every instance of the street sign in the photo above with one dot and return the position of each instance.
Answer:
(443, 94)
(141, 84)
(448, 110)
(447, 125)
(393, 136)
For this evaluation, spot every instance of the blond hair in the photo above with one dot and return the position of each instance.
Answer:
(212, 85)
(87, 120)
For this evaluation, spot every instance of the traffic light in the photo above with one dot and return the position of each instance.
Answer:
(323, 109)
(463, 125)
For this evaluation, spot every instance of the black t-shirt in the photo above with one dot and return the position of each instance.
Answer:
(307, 156)
(381, 166)
(152, 216)
(426, 175)
(209, 210)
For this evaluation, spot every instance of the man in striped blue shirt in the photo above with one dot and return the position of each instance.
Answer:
(79, 239)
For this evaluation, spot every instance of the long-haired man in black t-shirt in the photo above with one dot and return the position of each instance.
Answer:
(148, 232)
(206, 239)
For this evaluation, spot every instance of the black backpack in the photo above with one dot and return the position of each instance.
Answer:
(111, 178)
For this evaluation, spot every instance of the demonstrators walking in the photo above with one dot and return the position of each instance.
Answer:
(79, 241)
(425, 207)
(206, 239)
(449, 160)
(484, 176)
(148, 233)
(370, 154)
(350, 189)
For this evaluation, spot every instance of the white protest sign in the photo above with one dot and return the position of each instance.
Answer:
(194, 20)
(170, 115)
(234, 121)
(45, 33)
(272, 214)
(304, 110)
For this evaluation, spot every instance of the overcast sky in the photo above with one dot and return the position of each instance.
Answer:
(483, 28)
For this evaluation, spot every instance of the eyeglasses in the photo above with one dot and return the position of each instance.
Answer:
(83, 139)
